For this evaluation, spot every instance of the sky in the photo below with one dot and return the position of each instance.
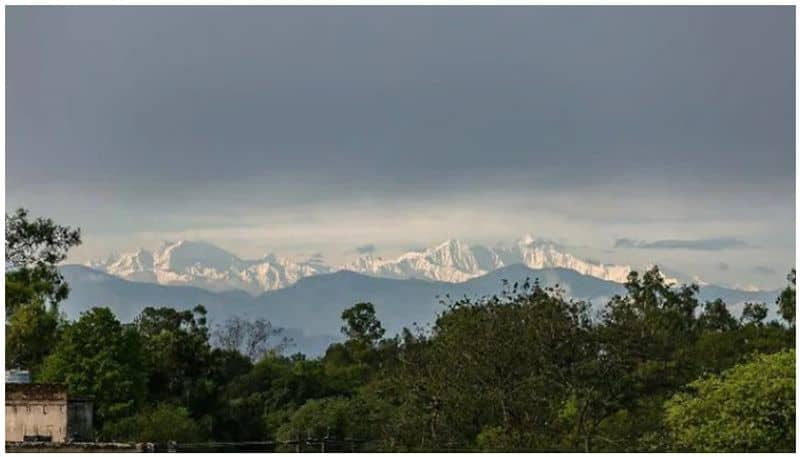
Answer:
(627, 134)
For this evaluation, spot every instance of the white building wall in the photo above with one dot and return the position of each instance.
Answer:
(37, 418)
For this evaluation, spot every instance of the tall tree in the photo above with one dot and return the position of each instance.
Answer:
(31, 333)
(644, 328)
(178, 357)
(717, 318)
(34, 286)
(502, 368)
(754, 314)
(786, 300)
(97, 355)
(33, 249)
(252, 338)
(361, 325)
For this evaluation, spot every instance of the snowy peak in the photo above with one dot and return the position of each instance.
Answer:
(527, 239)
(453, 253)
(546, 254)
(185, 255)
(204, 265)
(450, 261)
(455, 261)
(136, 266)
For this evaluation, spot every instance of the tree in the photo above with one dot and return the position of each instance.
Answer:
(361, 325)
(786, 300)
(318, 419)
(645, 338)
(161, 424)
(33, 249)
(754, 313)
(528, 369)
(31, 333)
(178, 361)
(716, 317)
(256, 404)
(502, 365)
(98, 356)
(251, 338)
(749, 408)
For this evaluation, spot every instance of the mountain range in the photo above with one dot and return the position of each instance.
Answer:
(310, 308)
(307, 297)
(200, 264)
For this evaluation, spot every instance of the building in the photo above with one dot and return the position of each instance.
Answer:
(44, 412)
(18, 376)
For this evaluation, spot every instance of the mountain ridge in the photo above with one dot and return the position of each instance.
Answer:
(205, 265)
(314, 304)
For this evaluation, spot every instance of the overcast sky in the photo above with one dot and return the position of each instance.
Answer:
(628, 134)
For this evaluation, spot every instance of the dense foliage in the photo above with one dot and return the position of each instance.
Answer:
(33, 249)
(750, 407)
(34, 287)
(528, 369)
(96, 355)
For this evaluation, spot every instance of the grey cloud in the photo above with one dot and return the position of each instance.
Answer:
(365, 249)
(722, 266)
(626, 243)
(764, 270)
(707, 244)
(151, 119)
(179, 99)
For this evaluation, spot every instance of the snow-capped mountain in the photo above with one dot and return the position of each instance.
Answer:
(451, 261)
(135, 266)
(315, 304)
(454, 261)
(205, 265)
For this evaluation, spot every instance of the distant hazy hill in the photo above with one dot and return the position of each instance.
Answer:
(312, 306)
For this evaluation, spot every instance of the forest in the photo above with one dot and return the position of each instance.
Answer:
(527, 369)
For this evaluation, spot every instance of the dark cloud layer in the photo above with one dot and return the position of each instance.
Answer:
(322, 128)
(708, 244)
(150, 101)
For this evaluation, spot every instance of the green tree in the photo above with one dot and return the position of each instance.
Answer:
(31, 333)
(255, 404)
(646, 336)
(34, 286)
(754, 314)
(99, 356)
(161, 424)
(178, 357)
(717, 318)
(361, 325)
(749, 408)
(505, 364)
(33, 249)
(786, 300)
(317, 419)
